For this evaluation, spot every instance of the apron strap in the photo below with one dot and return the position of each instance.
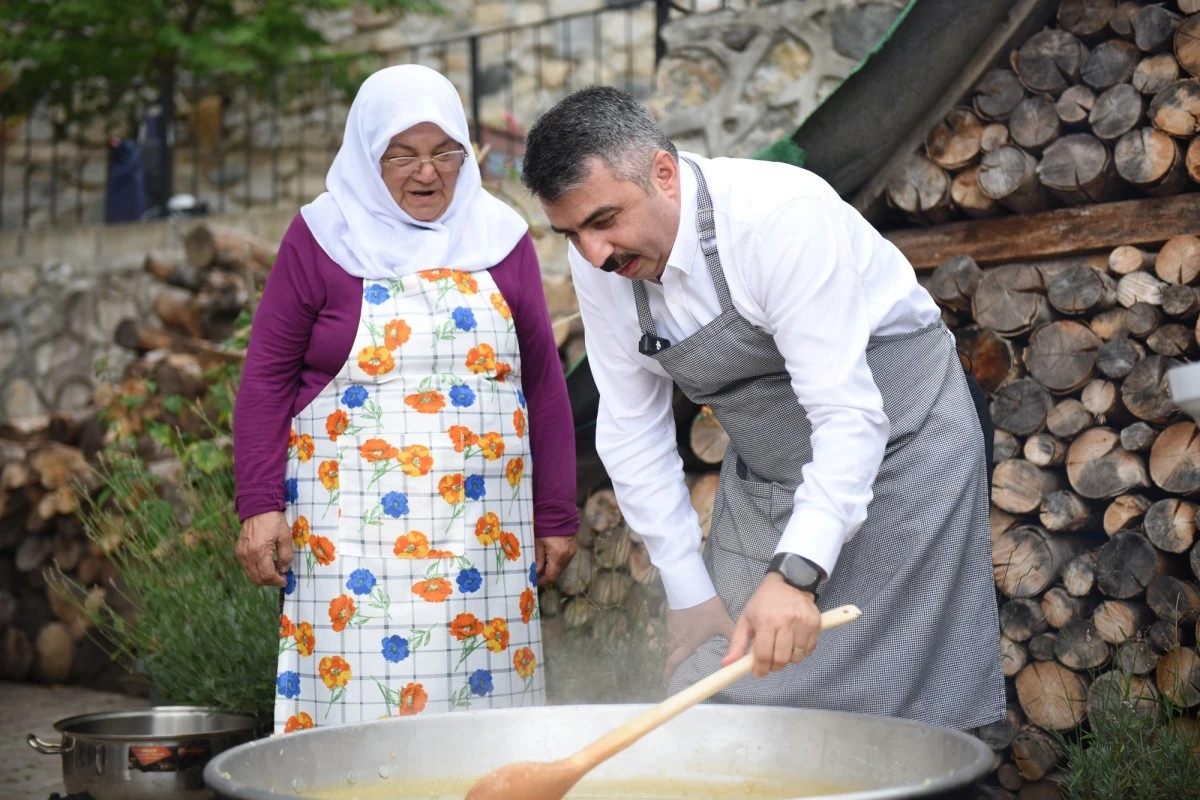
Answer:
(651, 343)
(707, 229)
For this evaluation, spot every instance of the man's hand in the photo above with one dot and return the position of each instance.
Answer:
(265, 548)
(782, 621)
(552, 554)
(689, 628)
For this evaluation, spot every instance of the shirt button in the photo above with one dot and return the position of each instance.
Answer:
(673, 298)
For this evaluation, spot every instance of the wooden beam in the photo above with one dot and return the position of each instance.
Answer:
(1046, 234)
(1023, 20)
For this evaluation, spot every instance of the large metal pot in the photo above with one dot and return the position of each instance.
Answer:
(851, 756)
(148, 754)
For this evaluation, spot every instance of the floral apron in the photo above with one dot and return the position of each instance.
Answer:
(412, 587)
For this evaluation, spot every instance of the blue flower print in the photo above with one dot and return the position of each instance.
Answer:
(361, 581)
(288, 684)
(395, 648)
(375, 294)
(354, 397)
(469, 580)
(521, 398)
(533, 574)
(394, 504)
(480, 682)
(475, 487)
(291, 490)
(461, 396)
(464, 318)
(291, 582)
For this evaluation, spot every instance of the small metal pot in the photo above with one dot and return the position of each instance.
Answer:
(148, 754)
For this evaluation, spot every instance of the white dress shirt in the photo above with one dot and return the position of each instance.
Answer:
(802, 265)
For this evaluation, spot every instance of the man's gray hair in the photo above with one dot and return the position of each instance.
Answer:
(596, 122)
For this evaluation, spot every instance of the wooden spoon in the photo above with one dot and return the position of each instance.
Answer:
(552, 780)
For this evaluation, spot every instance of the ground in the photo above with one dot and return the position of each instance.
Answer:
(24, 709)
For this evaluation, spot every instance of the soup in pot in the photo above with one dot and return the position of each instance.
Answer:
(665, 788)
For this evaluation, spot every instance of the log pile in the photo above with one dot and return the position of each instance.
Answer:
(1097, 106)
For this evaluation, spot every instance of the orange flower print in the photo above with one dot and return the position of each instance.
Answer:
(499, 303)
(464, 626)
(426, 402)
(334, 671)
(328, 473)
(413, 544)
(305, 448)
(451, 489)
(510, 545)
(323, 549)
(462, 437)
(495, 633)
(373, 450)
(300, 532)
(491, 445)
(298, 722)
(465, 283)
(433, 591)
(481, 359)
(306, 639)
(376, 361)
(416, 460)
(293, 437)
(527, 605)
(412, 699)
(524, 662)
(341, 611)
(337, 423)
(395, 333)
(442, 554)
(286, 627)
(514, 471)
(502, 371)
(519, 423)
(434, 274)
(487, 530)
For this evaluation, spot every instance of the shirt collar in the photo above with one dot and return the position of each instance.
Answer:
(687, 239)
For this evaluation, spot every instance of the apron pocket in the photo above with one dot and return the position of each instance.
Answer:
(402, 496)
(756, 514)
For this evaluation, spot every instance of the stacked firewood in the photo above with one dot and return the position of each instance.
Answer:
(1097, 106)
(43, 637)
(1095, 478)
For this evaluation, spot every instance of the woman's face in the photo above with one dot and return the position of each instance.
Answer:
(422, 186)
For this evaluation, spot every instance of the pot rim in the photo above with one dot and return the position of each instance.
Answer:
(238, 722)
(960, 778)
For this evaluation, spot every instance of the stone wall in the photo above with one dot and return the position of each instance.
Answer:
(732, 82)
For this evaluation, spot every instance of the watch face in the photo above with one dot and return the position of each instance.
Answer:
(800, 572)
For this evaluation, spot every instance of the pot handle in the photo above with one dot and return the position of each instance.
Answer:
(46, 748)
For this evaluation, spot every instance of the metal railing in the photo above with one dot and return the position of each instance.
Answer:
(230, 147)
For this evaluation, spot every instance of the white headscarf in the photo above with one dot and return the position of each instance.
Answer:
(358, 223)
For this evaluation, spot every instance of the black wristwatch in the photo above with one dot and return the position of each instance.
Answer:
(796, 571)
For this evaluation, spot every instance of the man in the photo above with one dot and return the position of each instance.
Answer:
(856, 470)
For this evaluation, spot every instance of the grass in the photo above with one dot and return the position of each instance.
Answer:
(1126, 754)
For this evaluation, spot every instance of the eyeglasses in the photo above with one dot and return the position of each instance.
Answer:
(442, 162)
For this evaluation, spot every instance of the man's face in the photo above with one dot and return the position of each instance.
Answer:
(618, 225)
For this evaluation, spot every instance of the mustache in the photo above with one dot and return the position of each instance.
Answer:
(616, 262)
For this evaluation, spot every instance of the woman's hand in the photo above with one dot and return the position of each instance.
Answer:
(265, 548)
(552, 554)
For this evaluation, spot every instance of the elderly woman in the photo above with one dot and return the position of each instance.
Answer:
(401, 375)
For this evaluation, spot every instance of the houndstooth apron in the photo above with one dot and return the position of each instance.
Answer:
(927, 646)
(412, 588)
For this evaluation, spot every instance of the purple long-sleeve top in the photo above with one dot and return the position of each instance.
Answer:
(303, 333)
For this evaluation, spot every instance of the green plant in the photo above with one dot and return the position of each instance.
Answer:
(180, 612)
(1139, 748)
(84, 55)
